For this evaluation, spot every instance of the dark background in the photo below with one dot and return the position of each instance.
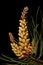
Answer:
(9, 20)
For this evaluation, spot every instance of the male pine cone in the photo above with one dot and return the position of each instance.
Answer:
(23, 49)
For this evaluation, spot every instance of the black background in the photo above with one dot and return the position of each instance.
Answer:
(9, 20)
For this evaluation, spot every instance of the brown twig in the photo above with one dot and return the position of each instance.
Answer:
(36, 59)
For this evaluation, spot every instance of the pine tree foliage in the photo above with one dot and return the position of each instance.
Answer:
(28, 54)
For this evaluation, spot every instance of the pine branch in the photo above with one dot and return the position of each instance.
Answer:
(23, 48)
(31, 60)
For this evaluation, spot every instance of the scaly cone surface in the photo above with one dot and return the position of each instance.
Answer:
(23, 33)
(23, 49)
(14, 45)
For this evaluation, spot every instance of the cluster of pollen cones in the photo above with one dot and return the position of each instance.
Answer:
(23, 48)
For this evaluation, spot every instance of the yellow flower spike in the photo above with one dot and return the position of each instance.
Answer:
(17, 51)
(23, 47)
